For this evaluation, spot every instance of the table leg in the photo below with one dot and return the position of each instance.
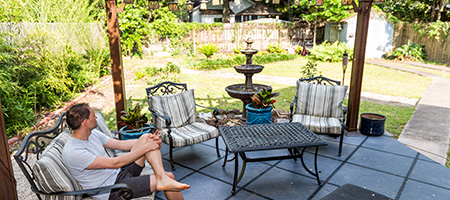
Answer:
(236, 165)
(225, 159)
(316, 174)
(244, 165)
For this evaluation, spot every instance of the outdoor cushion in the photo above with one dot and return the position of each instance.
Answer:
(328, 125)
(180, 107)
(319, 100)
(190, 134)
(51, 173)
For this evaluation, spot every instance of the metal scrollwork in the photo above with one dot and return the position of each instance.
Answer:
(165, 88)
(320, 80)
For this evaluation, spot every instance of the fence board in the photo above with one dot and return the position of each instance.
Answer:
(436, 50)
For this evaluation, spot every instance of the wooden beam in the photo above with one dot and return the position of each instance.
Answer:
(7, 182)
(116, 59)
(359, 53)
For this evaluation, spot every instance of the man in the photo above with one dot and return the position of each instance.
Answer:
(87, 161)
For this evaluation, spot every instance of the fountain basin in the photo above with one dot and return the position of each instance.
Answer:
(239, 91)
(248, 69)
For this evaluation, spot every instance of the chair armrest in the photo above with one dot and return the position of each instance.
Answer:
(124, 193)
(168, 121)
(215, 112)
(291, 108)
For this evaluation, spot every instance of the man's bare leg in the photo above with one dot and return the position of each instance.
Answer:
(163, 181)
(170, 195)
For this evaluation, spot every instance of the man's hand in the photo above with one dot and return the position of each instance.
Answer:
(153, 139)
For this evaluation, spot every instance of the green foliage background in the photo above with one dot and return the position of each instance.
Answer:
(46, 59)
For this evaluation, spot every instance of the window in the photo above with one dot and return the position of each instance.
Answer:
(237, 18)
(218, 20)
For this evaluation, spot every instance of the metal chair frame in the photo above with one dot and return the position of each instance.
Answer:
(320, 80)
(35, 143)
(168, 87)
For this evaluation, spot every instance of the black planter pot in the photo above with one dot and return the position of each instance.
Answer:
(372, 124)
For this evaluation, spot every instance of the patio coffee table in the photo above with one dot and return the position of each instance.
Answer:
(291, 136)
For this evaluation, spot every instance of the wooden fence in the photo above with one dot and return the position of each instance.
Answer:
(436, 50)
(230, 36)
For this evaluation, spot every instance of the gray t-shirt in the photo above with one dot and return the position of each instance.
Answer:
(79, 154)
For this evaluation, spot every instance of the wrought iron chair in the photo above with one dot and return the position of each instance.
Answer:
(318, 106)
(39, 158)
(174, 112)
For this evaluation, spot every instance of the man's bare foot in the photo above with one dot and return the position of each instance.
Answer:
(168, 184)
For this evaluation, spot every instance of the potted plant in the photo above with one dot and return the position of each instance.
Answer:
(135, 123)
(372, 124)
(260, 110)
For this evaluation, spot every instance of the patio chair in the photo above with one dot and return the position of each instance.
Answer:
(173, 111)
(318, 105)
(39, 158)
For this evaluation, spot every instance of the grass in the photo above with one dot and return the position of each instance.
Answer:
(378, 80)
(210, 91)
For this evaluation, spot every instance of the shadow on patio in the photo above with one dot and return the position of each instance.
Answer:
(381, 164)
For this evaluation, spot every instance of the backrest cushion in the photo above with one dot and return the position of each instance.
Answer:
(50, 172)
(103, 127)
(180, 107)
(319, 100)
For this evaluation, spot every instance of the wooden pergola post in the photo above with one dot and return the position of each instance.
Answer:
(116, 59)
(359, 53)
(7, 183)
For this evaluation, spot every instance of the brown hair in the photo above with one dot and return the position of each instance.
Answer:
(76, 114)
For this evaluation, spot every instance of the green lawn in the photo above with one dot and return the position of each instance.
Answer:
(378, 80)
(210, 90)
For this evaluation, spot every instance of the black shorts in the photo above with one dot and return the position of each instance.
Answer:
(129, 174)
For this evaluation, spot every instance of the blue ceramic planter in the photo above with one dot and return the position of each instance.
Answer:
(258, 116)
(134, 135)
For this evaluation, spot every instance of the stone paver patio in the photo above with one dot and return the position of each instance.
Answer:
(381, 164)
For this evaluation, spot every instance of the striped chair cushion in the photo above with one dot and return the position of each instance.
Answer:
(180, 107)
(319, 100)
(190, 134)
(51, 173)
(328, 125)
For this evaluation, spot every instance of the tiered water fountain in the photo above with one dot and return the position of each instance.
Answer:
(244, 92)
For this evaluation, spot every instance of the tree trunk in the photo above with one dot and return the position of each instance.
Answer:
(433, 11)
(226, 11)
(7, 182)
(441, 9)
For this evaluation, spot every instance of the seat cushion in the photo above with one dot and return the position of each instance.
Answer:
(180, 107)
(51, 173)
(319, 100)
(326, 125)
(190, 134)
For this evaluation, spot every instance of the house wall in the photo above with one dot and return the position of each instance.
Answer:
(379, 38)
(237, 6)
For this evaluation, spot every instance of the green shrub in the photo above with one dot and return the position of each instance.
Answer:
(34, 76)
(274, 48)
(327, 52)
(298, 50)
(273, 57)
(310, 70)
(410, 51)
(156, 75)
(212, 64)
(134, 29)
(208, 49)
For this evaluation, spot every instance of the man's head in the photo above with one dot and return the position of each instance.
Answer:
(81, 115)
